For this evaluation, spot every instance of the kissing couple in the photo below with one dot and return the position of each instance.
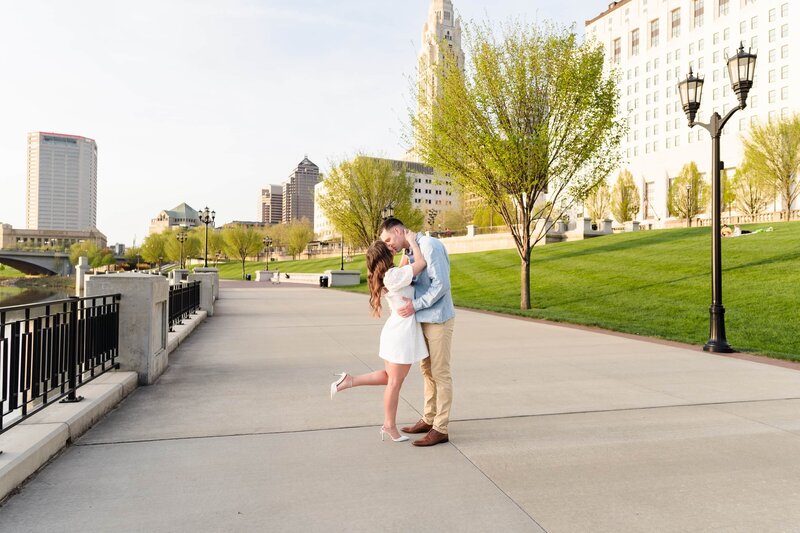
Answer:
(419, 328)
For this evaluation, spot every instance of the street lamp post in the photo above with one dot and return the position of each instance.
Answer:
(267, 243)
(741, 68)
(387, 212)
(206, 218)
(689, 205)
(182, 236)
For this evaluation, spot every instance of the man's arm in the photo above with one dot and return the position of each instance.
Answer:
(439, 274)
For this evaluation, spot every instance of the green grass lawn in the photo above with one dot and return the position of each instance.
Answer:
(8, 272)
(653, 283)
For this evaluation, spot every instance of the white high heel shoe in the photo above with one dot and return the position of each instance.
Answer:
(401, 438)
(336, 383)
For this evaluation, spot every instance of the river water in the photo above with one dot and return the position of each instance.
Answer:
(17, 296)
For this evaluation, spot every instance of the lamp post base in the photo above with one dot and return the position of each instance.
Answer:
(717, 342)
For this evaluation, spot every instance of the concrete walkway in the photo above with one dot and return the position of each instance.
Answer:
(556, 429)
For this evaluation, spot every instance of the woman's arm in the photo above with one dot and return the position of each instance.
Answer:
(404, 260)
(419, 263)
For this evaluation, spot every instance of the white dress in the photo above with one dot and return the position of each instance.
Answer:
(401, 338)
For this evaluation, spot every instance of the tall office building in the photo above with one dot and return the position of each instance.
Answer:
(652, 44)
(270, 204)
(62, 182)
(441, 34)
(298, 192)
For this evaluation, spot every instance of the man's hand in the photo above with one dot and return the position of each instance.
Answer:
(407, 310)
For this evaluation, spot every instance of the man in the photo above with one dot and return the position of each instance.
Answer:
(433, 305)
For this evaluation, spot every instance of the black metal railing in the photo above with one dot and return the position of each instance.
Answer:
(184, 300)
(48, 350)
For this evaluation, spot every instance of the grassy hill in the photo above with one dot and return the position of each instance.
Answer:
(654, 283)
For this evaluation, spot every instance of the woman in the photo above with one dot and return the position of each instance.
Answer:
(402, 342)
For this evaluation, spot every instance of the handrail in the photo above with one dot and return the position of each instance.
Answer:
(45, 356)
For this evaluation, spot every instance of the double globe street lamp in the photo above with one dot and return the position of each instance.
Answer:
(206, 218)
(267, 248)
(741, 68)
(182, 236)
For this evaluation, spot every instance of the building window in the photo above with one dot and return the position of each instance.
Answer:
(754, 23)
(649, 193)
(771, 97)
(772, 15)
(784, 93)
(723, 7)
(675, 23)
(785, 72)
(617, 50)
(771, 76)
(785, 9)
(726, 34)
(785, 31)
(698, 13)
(785, 51)
(635, 42)
(772, 55)
(654, 33)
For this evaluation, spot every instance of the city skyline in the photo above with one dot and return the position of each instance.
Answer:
(189, 101)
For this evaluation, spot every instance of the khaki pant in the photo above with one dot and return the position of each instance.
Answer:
(436, 373)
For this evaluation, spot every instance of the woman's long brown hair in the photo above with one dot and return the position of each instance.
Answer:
(379, 259)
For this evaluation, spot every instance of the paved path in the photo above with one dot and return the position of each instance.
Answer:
(557, 429)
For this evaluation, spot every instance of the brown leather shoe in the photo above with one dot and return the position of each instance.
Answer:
(419, 427)
(432, 438)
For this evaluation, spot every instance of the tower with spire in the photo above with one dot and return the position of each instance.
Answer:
(441, 34)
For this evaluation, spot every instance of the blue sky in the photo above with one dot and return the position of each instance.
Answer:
(207, 101)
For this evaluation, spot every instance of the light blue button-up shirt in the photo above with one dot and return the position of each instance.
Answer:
(432, 299)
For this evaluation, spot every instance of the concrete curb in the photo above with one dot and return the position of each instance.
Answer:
(176, 337)
(32, 443)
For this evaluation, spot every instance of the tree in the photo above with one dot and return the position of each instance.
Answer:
(772, 153)
(598, 203)
(298, 235)
(241, 242)
(689, 194)
(728, 196)
(752, 194)
(96, 256)
(358, 190)
(531, 118)
(153, 247)
(625, 197)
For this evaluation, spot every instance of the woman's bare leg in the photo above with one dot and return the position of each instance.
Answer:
(397, 374)
(379, 377)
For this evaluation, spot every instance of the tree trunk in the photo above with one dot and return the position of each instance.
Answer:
(525, 282)
(243, 260)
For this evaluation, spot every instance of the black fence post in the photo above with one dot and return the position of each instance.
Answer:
(72, 356)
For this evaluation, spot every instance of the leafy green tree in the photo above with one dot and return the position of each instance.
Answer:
(728, 198)
(625, 198)
(153, 247)
(358, 190)
(752, 194)
(688, 195)
(598, 203)
(531, 118)
(241, 242)
(772, 153)
(299, 234)
(97, 257)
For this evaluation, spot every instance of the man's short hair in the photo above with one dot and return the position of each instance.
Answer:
(389, 224)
